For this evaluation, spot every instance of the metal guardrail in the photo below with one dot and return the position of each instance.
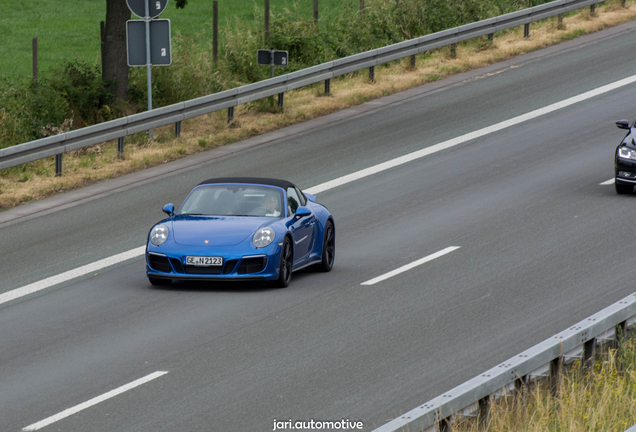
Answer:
(120, 128)
(545, 359)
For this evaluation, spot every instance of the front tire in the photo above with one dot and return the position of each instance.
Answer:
(286, 263)
(159, 281)
(623, 189)
(328, 249)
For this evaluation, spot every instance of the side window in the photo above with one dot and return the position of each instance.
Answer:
(293, 202)
(303, 199)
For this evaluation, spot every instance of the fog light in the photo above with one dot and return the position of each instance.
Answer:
(624, 174)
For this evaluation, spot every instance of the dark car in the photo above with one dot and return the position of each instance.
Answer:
(625, 160)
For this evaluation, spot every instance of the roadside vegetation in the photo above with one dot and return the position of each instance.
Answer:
(71, 95)
(602, 400)
(72, 90)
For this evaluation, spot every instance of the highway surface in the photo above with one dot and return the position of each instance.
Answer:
(541, 244)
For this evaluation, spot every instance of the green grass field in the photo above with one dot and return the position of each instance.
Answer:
(70, 29)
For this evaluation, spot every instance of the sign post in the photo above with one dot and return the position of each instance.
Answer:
(155, 35)
(148, 80)
(271, 58)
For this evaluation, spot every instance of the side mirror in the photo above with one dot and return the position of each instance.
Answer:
(168, 209)
(301, 212)
(623, 124)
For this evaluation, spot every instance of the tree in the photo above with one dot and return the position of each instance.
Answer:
(114, 56)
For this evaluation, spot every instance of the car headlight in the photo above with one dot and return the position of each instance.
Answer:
(159, 235)
(263, 237)
(626, 153)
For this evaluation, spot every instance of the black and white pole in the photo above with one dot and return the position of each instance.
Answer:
(148, 77)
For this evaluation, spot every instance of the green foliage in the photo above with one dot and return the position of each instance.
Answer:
(70, 97)
(73, 95)
(192, 74)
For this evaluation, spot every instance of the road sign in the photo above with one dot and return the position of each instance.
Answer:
(155, 7)
(160, 42)
(281, 58)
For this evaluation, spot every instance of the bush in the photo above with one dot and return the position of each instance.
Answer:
(73, 95)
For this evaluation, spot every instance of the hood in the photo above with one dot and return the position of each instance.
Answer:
(217, 230)
(629, 141)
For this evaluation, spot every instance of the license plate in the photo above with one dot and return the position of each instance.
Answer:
(204, 261)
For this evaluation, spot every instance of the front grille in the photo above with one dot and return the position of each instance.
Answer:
(203, 270)
(176, 265)
(229, 266)
(252, 265)
(159, 263)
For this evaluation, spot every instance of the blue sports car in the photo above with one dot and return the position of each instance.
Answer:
(255, 229)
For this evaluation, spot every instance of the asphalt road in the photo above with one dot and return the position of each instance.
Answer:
(542, 246)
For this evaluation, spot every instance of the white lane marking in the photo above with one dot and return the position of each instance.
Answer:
(71, 274)
(410, 266)
(468, 137)
(608, 182)
(11, 295)
(94, 401)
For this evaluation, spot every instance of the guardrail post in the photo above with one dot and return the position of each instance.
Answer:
(444, 425)
(361, 8)
(281, 100)
(491, 37)
(560, 25)
(58, 165)
(526, 30)
(589, 351)
(413, 61)
(453, 49)
(372, 74)
(555, 375)
(482, 413)
(230, 115)
(327, 86)
(315, 11)
(177, 129)
(120, 146)
(620, 334)
(623, 3)
(592, 10)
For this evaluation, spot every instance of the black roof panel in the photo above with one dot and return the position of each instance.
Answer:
(249, 180)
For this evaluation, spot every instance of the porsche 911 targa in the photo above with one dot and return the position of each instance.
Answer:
(253, 229)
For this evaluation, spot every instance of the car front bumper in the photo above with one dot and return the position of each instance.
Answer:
(238, 264)
(625, 171)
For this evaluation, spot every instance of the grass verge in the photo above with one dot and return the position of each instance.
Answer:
(36, 180)
(602, 400)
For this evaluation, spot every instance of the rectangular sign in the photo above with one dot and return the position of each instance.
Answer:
(280, 58)
(264, 57)
(160, 43)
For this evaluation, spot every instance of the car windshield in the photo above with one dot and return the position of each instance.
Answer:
(234, 200)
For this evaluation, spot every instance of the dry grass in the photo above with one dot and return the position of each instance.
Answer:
(36, 180)
(604, 400)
